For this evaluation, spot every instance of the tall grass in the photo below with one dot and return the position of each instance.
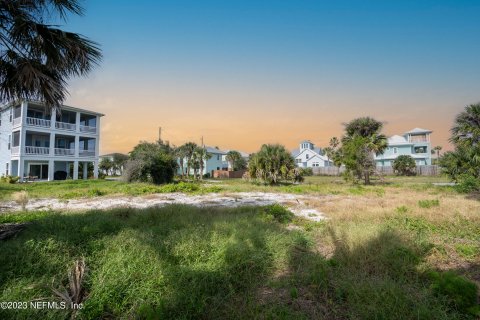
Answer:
(181, 262)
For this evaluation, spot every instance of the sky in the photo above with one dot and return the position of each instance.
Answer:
(241, 73)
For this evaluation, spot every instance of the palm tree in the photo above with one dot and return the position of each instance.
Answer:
(36, 58)
(233, 157)
(180, 155)
(466, 130)
(363, 140)
(437, 150)
(189, 150)
(203, 157)
(272, 163)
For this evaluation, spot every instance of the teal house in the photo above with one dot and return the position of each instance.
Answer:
(415, 143)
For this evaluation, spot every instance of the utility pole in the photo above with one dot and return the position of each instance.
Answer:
(160, 134)
(202, 142)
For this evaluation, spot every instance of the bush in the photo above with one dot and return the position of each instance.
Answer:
(150, 163)
(9, 179)
(461, 293)
(306, 172)
(279, 213)
(404, 165)
(467, 184)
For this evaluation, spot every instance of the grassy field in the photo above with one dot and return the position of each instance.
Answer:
(385, 252)
(71, 189)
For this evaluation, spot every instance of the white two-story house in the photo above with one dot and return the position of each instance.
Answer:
(39, 143)
(308, 156)
(415, 143)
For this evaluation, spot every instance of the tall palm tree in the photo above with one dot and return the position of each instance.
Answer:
(189, 149)
(180, 155)
(203, 157)
(364, 137)
(36, 58)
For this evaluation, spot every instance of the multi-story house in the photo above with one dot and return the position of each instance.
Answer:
(42, 143)
(415, 143)
(227, 165)
(308, 156)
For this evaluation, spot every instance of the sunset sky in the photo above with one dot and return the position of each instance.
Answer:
(242, 73)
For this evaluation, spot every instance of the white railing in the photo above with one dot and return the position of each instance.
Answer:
(38, 122)
(86, 153)
(88, 129)
(15, 150)
(17, 121)
(36, 150)
(65, 126)
(64, 152)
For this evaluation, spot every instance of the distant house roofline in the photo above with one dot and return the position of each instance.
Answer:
(13, 103)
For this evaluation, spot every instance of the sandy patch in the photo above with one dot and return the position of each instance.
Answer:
(295, 203)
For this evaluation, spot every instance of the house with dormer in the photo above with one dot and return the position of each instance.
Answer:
(415, 143)
(309, 156)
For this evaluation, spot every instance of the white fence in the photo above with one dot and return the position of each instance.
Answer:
(335, 171)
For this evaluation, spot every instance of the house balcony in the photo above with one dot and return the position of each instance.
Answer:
(65, 126)
(37, 150)
(38, 122)
(86, 153)
(88, 129)
(64, 152)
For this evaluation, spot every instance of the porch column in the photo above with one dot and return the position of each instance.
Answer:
(51, 169)
(53, 119)
(95, 169)
(52, 144)
(77, 122)
(21, 168)
(75, 170)
(77, 146)
(85, 170)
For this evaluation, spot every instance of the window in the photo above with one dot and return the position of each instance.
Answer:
(299, 160)
(9, 141)
(307, 156)
(218, 157)
(11, 111)
(395, 150)
(6, 168)
(422, 149)
(316, 164)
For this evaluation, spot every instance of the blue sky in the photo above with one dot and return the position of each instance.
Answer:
(302, 64)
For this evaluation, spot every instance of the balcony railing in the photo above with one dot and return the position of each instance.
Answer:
(65, 126)
(36, 150)
(38, 122)
(64, 152)
(86, 153)
(88, 129)
(17, 121)
(15, 150)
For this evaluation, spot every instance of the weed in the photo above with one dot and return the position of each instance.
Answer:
(21, 198)
(428, 203)
(279, 213)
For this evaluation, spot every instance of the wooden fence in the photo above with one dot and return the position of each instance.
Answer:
(335, 171)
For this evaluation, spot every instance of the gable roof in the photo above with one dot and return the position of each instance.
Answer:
(296, 152)
(418, 130)
(214, 150)
(316, 154)
(396, 140)
(113, 154)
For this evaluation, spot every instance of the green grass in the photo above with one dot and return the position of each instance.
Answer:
(181, 262)
(70, 189)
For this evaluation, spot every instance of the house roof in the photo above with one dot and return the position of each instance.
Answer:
(307, 141)
(42, 104)
(296, 152)
(214, 150)
(418, 130)
(397, 140)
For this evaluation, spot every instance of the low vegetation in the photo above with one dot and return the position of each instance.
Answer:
(249, 262)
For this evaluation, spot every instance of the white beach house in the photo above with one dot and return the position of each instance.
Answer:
(39, 143)
(309, 156)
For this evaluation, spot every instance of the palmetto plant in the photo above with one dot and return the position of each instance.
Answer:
(36, 58)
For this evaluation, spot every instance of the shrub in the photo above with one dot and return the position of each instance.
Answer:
(9, 179)
(467, 184)
(279, 213)
(306, 172)
(21, 198)
(428, 203)
(404, 165)
(461, 293)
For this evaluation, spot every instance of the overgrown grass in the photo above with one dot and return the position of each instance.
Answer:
(189, 263)
(92, 188)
